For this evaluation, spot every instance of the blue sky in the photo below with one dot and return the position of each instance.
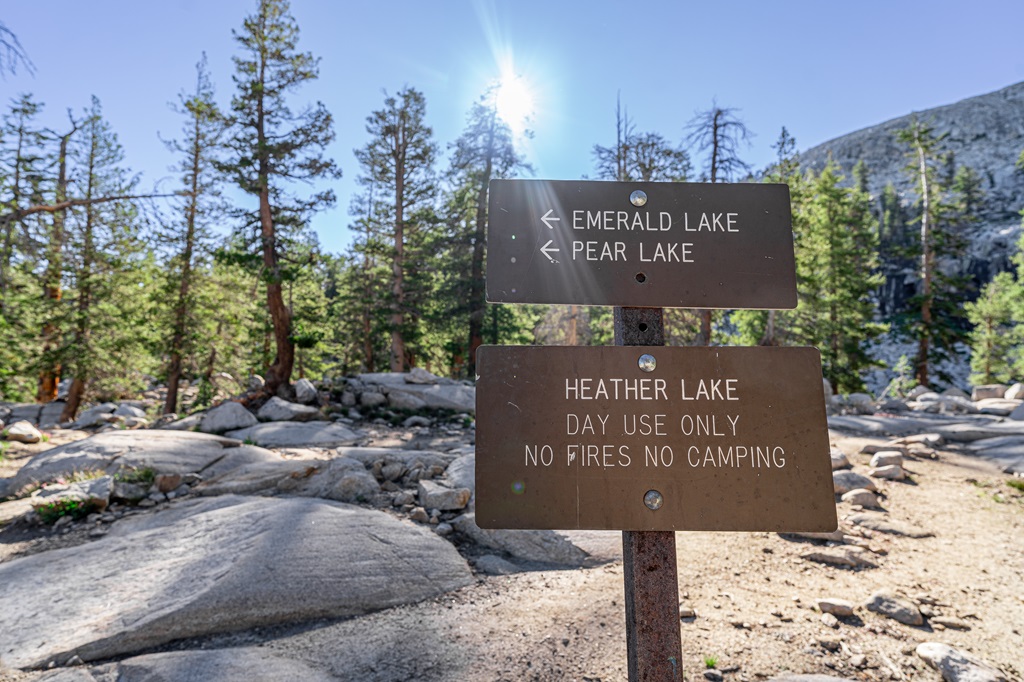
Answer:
(820, 68)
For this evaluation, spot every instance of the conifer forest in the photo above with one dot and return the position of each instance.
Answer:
(108, 286)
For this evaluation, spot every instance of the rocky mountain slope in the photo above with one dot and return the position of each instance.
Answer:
(985, 133)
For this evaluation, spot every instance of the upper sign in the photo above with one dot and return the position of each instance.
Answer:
(640, 244)
(652, 438)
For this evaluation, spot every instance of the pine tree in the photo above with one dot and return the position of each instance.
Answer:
(768, 327)
(272, 146)
(718, 133)
(12, 53)
(640, 157)
(485, 151)
(398, 163)
(836, 277)
(105, 337)
(22, 179)
(190, 238)
(937, 323)
(997, 334)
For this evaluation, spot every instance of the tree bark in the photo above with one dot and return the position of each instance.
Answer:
(280, 371)
(477, 293)
(398, 263)
(49, 376)
(181, 309)
(927, 268)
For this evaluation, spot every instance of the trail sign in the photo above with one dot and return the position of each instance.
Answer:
(651, 244)
(652, 438)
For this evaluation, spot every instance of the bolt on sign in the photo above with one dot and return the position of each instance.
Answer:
(683, 245)
(652, 438)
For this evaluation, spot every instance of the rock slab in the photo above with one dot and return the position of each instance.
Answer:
(212, 565)
(297, 434)
(955, 666)
(226, 417)
(890, 605)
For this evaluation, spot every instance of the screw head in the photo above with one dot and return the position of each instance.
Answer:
(653, 499)
(638, 197)
(647, 362)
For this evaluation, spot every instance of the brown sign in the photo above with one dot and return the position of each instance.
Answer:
(707, 439)
(652, 244)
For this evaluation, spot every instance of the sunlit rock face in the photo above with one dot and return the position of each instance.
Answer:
(985, 133)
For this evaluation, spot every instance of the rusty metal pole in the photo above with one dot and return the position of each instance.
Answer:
(653, 646)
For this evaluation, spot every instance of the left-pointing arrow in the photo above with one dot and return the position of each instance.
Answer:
(547, 218)
(547, 247)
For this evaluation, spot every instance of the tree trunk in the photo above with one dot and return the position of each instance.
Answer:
(398, 263)
(280, 371)
(74, 400)
(769, 331)
(477, 293)
(49, 376)
(83, 329)
(181, 309)
(927, 267)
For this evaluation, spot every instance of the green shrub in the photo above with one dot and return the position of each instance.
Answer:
(76, 509)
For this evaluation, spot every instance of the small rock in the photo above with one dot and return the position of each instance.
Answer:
(839, 460)
(862, 497)
(420, 514)
(830, 644)
(988, 391)
(830, 620)
(305, 392)
(403, 498)
(686, 612)
(98, 532)
(418, 375)
(227, 416)
(949, 622)
(893, 472)
(165, 483)
(846, 557)
(436, 496)
(874, 448)
(884, 458)
(845, 481)
(890, 605)
(883, 524)
(22, 432)
(858, 661)
(256, 383)
(495, 565)
(444, 529)
(157, 497)
(837, 607)
(279, 410)
(127, 491)
(713, 676)
(372, 399)
(1015, 392)
(417, 420)
(956, 666)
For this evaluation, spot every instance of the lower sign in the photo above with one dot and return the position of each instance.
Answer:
(652, 438)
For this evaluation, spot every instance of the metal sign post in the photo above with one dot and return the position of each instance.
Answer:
(649, 573)
(648, 442)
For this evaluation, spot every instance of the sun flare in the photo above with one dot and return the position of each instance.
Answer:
(515, 102)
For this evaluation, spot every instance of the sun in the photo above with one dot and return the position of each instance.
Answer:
(515, 102)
